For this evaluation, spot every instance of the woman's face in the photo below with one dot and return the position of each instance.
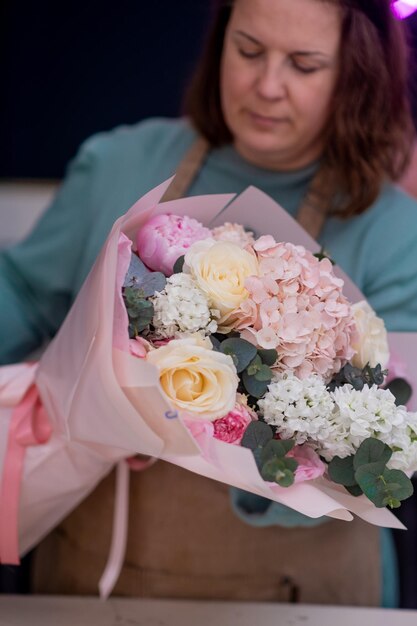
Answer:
(278, 72)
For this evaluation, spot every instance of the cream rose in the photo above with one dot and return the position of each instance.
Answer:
(220, 270)
(196, 378)
(371, 344)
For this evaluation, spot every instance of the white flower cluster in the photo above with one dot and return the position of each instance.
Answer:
(181, 308)
(336, 423)
(298, 408)
(372, 412)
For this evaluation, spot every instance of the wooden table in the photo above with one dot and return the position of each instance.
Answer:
(73, 611)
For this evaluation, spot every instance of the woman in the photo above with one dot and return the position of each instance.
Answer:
(306, 100)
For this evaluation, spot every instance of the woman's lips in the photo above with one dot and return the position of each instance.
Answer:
(266, 121)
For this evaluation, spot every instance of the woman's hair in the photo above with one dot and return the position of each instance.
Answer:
(369, 134)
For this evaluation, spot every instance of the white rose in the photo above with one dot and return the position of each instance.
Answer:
(372, 343)
(220, 269)
(196, 378)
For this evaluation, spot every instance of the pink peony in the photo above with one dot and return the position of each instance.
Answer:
(231, 428)
(164, 238)
(310, 465)
(296, 306)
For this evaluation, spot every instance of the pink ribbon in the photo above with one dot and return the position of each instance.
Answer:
(29, 426)
(120, 522)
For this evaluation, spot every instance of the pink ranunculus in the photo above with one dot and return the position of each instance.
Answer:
(310, 465)
(231, 428)
(139, 347)
(164, 238)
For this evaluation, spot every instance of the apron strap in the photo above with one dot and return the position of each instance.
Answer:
(309, 217)
(187, 170)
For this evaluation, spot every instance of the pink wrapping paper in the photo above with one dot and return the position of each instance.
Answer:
(77, 469)
(98, 394)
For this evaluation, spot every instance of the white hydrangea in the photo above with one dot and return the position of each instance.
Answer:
(298, 408)
(182, 307)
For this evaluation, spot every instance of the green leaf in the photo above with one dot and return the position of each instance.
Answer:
(257, 435)
(255, 388)
(178, 265)
(152, 283)
(354, 490)
(268, 357)
(254, 366)
(371, 451)
(277, 448)
(341, 471)
(215, 342)
(401, 389)
(241, 351)
(280, 471)
(370, 479)
(257, 453)
(264, 374)
(398, 484)
(137, 270)
(383, 486)
(323, 255)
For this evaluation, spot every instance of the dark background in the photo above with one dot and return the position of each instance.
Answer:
(70, 69)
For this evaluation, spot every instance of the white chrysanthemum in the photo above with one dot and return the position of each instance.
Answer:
(182, 307)
(298, 408)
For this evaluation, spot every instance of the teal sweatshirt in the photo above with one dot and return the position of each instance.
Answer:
(40, 277)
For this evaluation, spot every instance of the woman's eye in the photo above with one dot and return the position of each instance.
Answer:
(249, 54)
(304, 69)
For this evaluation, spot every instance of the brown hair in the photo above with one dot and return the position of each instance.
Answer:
(370, 131)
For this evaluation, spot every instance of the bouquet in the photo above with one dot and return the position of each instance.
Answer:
(256, 345)
(233, 355)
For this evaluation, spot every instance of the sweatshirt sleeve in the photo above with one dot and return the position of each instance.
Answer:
(36, 275)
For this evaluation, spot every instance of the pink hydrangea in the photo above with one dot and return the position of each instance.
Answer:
(296, 306)
(164, 238)
(231, 428)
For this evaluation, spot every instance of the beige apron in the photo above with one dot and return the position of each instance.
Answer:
(185, 541)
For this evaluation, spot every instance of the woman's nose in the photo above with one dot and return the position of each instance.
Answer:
(271, 84)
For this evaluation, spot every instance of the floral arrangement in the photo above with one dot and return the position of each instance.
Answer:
(257, 346)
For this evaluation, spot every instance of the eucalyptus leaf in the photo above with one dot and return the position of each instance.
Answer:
(215, 342)
(341, 471)
(179, 264)
(401, 390)
(371, 450)
(257, 435)
(137, 270)
(280, 471)
(354, 490)
(241, 351)
(255, 388)
(268, 357)
(152, 283)
(370, 479)
(254, 365)
(264, 374)
(277, 448)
